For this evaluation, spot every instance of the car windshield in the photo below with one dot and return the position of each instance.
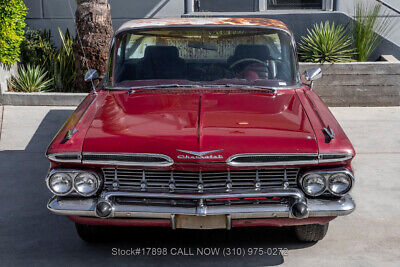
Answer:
(204, 57)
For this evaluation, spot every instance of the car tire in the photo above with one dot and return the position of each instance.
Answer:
(311, 232)
(89, 233)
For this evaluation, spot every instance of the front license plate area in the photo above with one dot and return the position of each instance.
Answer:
(200, 222)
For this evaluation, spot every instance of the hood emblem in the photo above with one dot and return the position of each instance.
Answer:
(200, 154)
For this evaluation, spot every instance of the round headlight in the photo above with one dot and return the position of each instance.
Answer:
(60, 183)
(86, 184)
(313, 184)
(339, 183)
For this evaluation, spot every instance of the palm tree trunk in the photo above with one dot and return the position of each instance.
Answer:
(93, 36)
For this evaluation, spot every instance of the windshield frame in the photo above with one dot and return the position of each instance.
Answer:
(110, 84)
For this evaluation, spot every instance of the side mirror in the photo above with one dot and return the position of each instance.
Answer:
(91, 75)
(313, 74)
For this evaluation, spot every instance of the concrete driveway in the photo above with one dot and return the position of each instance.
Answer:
(30, 235)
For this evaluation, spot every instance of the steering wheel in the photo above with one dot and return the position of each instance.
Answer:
(248, 59)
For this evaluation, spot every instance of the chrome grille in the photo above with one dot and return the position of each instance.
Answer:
(195, 181)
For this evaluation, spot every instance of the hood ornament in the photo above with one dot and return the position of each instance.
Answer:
(199, 154)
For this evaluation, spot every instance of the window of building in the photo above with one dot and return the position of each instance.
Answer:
(254, 5)
(294, 4)
(226, 5)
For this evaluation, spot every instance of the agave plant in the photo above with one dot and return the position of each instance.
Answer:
(326, 42)
(64, 73)
(369, 26)
(30, 79)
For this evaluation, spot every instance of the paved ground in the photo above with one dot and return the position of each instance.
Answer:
(29, 234)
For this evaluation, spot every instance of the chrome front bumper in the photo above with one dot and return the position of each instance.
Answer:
(314, 207)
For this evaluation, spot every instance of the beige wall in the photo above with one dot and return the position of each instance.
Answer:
(347, 6)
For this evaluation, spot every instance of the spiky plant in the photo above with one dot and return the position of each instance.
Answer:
(326, 42)
(64, 72)
(369, 26)
(30, 79)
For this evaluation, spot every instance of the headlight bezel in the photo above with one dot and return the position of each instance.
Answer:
(73, 174)
(327, 174)
(48, 182)
(319, 192)
(350, 180)
(92, 192)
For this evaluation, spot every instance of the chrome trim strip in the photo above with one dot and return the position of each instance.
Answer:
(341, 157)
(319, 159)
(169, 161)
(316, 207)
(230, 160)
(271, 192)
(53, 157)
(79, 156)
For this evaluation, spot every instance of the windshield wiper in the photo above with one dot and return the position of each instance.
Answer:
(168, 86)
(155, 86)
(240, 86)
(247, 86)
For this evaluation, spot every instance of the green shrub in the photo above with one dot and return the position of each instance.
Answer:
(64, 72)
(59, 65)
(30, 79)
(12, 24)
(369, 25)
(326, 43)
(37, 49)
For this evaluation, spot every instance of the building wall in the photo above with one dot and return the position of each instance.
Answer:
(347, 6)
(51, 14)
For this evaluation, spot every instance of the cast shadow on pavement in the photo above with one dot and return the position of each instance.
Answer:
(32, 231)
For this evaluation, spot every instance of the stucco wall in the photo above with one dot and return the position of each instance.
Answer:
(51, 14)
(299, 22)
(347, 6)
(5, 74)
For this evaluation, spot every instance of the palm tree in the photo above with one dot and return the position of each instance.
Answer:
(93, 36)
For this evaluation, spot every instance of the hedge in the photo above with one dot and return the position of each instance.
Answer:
(12, 24)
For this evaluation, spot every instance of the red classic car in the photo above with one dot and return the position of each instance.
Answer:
(202, 124)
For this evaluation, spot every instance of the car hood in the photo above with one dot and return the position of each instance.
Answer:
(180, 124)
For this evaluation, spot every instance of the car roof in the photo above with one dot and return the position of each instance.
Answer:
(202, 22)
